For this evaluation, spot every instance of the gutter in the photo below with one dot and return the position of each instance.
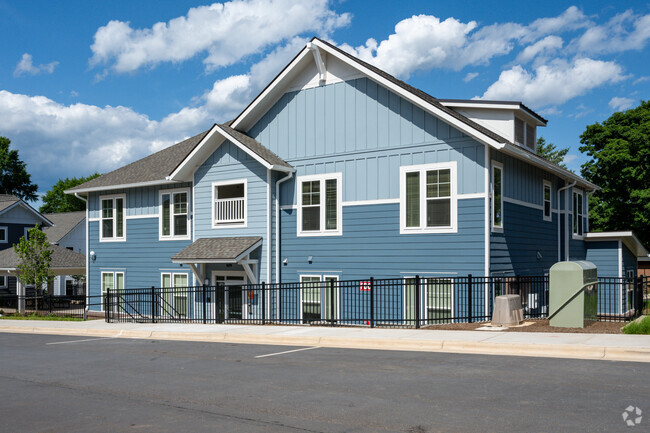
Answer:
(277, 224)
(566, 221)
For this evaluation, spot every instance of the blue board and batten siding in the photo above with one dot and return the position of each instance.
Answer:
(366, 133)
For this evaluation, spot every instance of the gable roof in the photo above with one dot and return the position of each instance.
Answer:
(152, 169)
(63, 260)
(217, 250)
(420, 98)
(64, 222)
(8, 202)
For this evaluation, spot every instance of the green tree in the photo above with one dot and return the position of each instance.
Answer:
(619, 149)
(14, 178)
(55, 200)
(34, 259)
(550, 152)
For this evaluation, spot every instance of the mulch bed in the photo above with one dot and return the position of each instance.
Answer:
(540, 326)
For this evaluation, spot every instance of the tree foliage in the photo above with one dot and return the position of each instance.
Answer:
(550, 152)
(35, 256)
(56, 200)
(14, 178)
(619, 149)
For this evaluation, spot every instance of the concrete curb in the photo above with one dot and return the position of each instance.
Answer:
(575, 351)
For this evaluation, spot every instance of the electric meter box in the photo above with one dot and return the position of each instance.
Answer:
(573, 297)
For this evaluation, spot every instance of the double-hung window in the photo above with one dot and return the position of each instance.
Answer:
(174, 214)
(113, 281)
(428, 201)
(112, 218)
(174, 289)
(546, 196)
(578, 214)
(319, 205)
(229, 206)
(497, 195)
(4, 235)
(3, 281)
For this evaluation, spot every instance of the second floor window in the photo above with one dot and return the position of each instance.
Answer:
(319, 205)
(547, 201)
(174, 214)
(112, 218)
(229, 203)
(428, 198)
(578, 214)
(497, 195)
(4, 235)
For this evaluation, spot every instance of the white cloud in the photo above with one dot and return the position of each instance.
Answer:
(554, 83)
(470, 76)
(227, 32)
(569, 158)
(618, 103)
(550, 111)
(423, 42)
(625, 31)
(641, 80)
(543, 47)
(26, 66)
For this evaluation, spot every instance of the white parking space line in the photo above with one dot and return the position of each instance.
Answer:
(80, 341)
(287, 351)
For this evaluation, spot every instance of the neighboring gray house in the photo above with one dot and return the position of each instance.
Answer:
(68, 231)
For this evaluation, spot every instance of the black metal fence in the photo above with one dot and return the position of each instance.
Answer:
(62, 306)
(404, 302)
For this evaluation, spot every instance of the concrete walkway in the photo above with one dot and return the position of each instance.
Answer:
(583, 346)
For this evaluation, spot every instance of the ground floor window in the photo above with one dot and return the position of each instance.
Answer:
(319, 297)
(3, 281)
(113, 282)
(174, 294)
(436, 299)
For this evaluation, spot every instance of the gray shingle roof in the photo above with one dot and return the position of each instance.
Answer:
(154, 167)
(7, 200)
(62, 258)
(255, 146)
(64, 222)
(217, 249)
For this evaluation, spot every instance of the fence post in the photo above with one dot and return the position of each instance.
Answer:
(469, 298)
(638, 296)
(153, 304)
(204, 306)
(417, 301)
(107, 306)
(50, 303)
(372, 302)
(263, 303)
(332, 306)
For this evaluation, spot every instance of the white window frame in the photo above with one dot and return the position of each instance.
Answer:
(5, 229)
(495, 227)
(4, 281)
(548, 184)
(575, 214)
(101, 283)
(422, 169)
(323, 282)
(212, 202)
(339, 204)
(101, 232)
(525, 133)
(172, 276)
(422, 293)
(172, 236)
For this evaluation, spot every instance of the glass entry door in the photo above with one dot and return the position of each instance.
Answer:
(230, 302)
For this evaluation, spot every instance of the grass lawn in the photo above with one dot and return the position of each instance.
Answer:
(34, 316)
(641, 326)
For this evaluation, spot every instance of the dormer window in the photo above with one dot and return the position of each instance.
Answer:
(524, 134)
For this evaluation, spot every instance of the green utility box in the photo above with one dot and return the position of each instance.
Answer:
(573, 299)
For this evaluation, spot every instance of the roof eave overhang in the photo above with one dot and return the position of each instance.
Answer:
(499, 105)
(628, 238)
(272, 89)
(120, 186)
(237, 259)
(202, 151)
(28, 208)
(520, 153)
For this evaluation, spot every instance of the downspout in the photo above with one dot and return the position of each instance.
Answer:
(566, 221)
(277, 224)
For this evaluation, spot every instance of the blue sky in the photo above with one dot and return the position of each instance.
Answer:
(90, 86)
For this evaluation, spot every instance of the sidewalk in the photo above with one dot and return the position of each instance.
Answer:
(582, 346)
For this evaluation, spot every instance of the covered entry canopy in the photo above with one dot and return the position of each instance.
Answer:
(64, 262)
(233, 250)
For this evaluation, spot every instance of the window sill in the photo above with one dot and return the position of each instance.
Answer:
(174, 238)
(497, 229)
(229, 225)
(320, 233)
(577, 237)
(416, 231)
(112, 239)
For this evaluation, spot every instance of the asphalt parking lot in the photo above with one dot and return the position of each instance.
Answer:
(78, 384)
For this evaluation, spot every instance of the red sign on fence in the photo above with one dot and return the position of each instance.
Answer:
(364, 286)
